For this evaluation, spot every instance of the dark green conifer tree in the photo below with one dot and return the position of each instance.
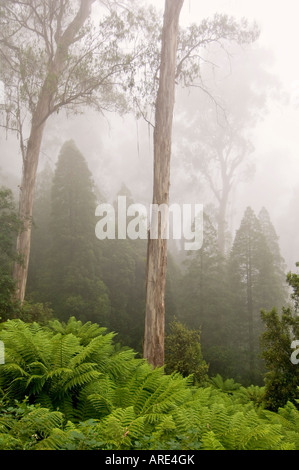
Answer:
(203, 298)
(124, 263)
(41, 237)
(10, 225)
(253, 283)
(279, 264)
(74, 274)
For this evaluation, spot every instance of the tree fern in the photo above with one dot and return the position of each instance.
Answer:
(63, 349)
(219, 419)
(288, 419)
(39, 421)
(96, 395)
(82, 436)
(228, 385)
(7, 442)
(170, 393)
(51, 365)
(84, 331)
(22, 426)
(210, 442)
(252, 393)
(121, 429)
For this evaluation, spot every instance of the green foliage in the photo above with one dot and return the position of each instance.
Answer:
(223, 296)
(41, 236)
(293, 281)
(253, 393)
(202, 297)
(7, 304)
(23, 426)
(85, 393)
(66, 272)
(282, 378)
(59, 369)
(253, 284)
(34, 312)
(10, 225)
(210, 421)
(227, 386)
(272, 240)
(183, 352)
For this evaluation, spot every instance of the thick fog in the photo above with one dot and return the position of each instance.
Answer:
(120, 149)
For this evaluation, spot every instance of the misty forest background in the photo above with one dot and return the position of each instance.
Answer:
(75, 274)
(230, 308)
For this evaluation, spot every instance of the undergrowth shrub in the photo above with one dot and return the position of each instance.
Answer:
(82, 391)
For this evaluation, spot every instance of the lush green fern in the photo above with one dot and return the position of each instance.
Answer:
(53, 368)
(210, 442)
(23, 426)
(82, 436)
(84, 392)
(253, 393)
(85, 331)
(227, 386)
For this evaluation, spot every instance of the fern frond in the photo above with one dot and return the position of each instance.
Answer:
(64, 349)
(85, 332)
(219, 420)
(96, 399)
(39, 422)
(210, 442)
(262, 436)
(82, 375)
(121, 428)
(35, 384)
(97, 350)
(56, 441)
(164, 430)
(8, 442)
(227, 386)
(102, 405)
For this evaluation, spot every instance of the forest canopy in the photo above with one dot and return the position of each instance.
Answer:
(137, 343)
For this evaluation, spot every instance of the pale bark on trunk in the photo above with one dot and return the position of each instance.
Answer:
(26, 208)
(43, 110)
(153, 346)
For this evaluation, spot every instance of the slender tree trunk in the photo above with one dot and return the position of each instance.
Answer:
(26, 201)
(153, 346)
(39, 118)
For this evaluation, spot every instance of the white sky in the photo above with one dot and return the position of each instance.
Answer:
(277, 137)
(277, 19)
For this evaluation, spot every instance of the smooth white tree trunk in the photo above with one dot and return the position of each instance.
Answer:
(153, 346)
